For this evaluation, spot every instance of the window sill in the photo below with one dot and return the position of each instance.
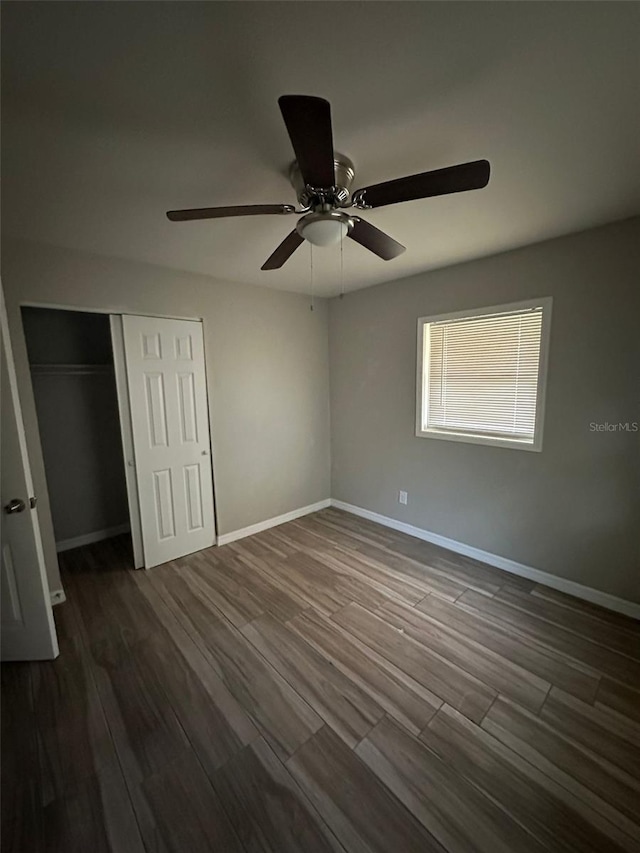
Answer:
(471, 438)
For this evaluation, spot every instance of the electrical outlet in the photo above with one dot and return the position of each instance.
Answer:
(402, 497)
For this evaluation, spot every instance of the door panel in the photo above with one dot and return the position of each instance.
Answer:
(11, 610)
(194, 497)
(169, 414)
(186, 398)
(28, 630)
(165, 515)
(156, 409)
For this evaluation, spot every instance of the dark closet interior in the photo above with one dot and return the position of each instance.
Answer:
(71, 360)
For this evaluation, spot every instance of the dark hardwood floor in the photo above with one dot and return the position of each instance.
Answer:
(328, 685)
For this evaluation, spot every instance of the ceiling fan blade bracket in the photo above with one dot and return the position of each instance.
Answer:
(358, 199)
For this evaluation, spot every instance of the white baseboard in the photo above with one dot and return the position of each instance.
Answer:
(89, 538)
(57, 596)
(272, 522)
(587, 593)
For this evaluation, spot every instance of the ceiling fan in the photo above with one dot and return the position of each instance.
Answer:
(322, 180)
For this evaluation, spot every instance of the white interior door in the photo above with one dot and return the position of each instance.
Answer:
(28, 629)
(170, 421)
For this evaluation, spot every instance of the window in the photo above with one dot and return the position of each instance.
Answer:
(481, 375)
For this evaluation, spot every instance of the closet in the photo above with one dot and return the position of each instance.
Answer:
(72, 371)
(123, 416)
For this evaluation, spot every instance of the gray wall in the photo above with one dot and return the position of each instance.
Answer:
(573, 509)
(78, 421)
(267, 372)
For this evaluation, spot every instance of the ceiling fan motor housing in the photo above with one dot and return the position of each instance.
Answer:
(316, 197)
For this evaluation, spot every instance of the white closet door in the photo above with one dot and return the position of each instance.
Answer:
(170, 419)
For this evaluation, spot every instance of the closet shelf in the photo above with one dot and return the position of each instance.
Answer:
(71, 369)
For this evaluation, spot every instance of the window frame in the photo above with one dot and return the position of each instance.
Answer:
(478, 438)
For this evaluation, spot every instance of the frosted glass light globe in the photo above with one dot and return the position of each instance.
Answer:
(325, 232)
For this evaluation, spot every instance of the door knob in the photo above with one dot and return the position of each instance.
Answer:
(15, 505)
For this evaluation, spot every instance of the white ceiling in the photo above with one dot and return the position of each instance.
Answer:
(115, 112)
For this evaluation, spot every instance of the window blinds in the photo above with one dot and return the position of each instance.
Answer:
(481, 374)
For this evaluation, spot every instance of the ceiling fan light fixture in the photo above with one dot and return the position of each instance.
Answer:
(322, 179)
(324, 229)
(325, 232)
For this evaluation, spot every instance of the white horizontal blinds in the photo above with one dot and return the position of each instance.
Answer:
(482, 374)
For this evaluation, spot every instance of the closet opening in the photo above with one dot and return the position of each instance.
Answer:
(123, 416)
(74, 385)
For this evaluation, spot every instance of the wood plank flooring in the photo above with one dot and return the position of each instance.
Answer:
(327, 685)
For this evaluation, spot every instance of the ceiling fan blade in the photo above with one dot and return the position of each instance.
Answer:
(217, 212)
(308, 121)
(375, 240)
(453, 179)
(283, 252)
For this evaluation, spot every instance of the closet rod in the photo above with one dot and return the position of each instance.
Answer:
(71, 369)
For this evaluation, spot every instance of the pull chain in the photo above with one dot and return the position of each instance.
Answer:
(341, 269)
(311, 272)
